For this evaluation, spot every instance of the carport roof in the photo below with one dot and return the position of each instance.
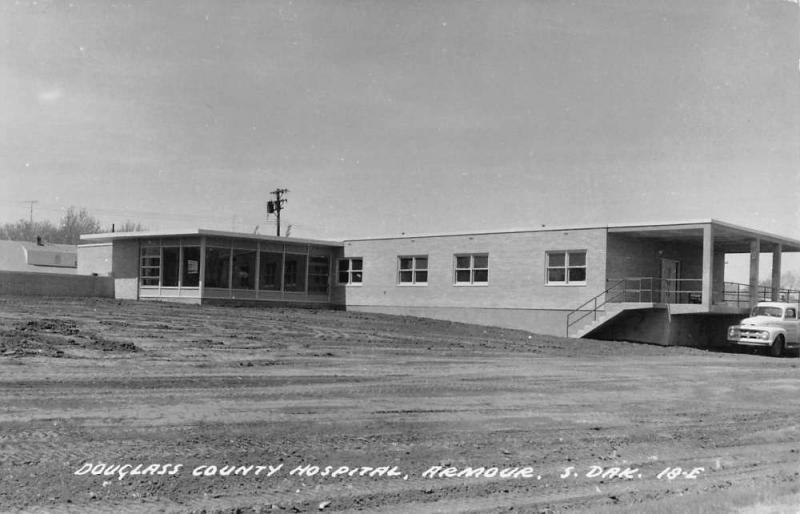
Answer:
(728, 238)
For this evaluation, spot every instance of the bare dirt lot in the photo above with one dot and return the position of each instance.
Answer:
(145, 407)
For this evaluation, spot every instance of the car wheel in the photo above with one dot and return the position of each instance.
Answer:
(776, 350)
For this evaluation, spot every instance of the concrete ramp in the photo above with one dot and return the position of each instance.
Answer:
(611, 312)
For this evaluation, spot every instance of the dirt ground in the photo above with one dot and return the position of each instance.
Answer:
(110, 406)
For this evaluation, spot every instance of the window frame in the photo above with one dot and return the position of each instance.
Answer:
(243, 268)
(270, 259)
(414, 269)
(566, 267)
(223, 265)
(350, 271)
(317, 271)
(156, 255)
(295, 266)
(174, 268)
(185, 268)
(472, 269)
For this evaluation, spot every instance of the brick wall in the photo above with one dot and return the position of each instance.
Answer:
(517, 266)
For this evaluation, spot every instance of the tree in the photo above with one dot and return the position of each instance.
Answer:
(68, 231)
(76, 222)
(789, 280)
(24, 230)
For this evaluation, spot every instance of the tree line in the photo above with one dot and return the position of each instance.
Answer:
(67, 231)
(789, 280)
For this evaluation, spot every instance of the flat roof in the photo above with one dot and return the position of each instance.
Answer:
(152, 234)
(729, 237)
(543, 228)
(725, 234)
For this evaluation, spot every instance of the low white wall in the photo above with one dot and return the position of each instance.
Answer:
(53, 284)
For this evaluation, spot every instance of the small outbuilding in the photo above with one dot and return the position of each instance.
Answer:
(46, 269)
(38, 257)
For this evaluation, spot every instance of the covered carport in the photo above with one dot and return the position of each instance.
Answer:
(683, 264)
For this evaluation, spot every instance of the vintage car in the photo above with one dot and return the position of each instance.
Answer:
(772, 325)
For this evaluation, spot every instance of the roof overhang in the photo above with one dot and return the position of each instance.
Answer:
(728, 238)
(195, 232)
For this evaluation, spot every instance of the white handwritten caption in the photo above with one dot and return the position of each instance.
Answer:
(434, 472)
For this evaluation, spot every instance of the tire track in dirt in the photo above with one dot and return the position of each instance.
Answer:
(363, 389)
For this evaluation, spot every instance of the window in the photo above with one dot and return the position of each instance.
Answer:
(217, 267)
(763, 310)
(150, 266)
(568, 267)
(244, 269)
(412, 270)
(790, 314)
(161, 266)
(472, 269)
(170, 266)
(271, 271)
(318, 271)
(191, 267)
(351, 270)
(294, 273)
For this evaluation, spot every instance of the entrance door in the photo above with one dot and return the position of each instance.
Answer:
(669, 280)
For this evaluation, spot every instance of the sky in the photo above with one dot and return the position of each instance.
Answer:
(384, 118)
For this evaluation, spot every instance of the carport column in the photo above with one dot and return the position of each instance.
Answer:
(776, 272)
(708, 266)
(755, 252)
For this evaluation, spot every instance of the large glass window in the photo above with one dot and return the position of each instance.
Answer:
(244, 269)
(351, 270)
(170, 266)
(271, 271)
(294, 273)
(472, 269)
(566, 267)
(413, 270)
(318, 272)
(191, 266)
(217, 267)
(150, 266)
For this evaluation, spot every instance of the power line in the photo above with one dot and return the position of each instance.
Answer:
(276, 206)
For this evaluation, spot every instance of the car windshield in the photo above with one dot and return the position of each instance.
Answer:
(775, 312)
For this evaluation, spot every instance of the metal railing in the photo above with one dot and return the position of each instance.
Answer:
(639, 290)
(734, 293)
(590, 307)
(672, 291)
(662, 290)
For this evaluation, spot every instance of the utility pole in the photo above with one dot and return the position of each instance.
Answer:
(31, 202)
(276, 205)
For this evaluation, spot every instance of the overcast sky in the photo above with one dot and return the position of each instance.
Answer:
(390, 117)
